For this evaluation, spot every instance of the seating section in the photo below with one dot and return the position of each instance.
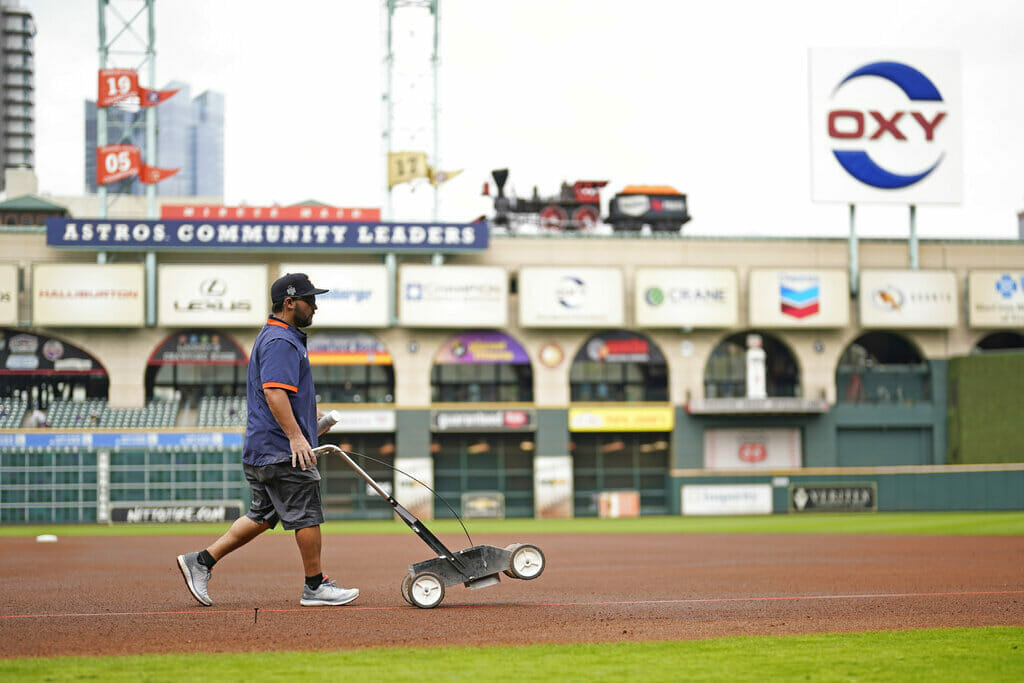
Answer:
(156, 414)
(76, 414)
(221, 411)
(12, 412)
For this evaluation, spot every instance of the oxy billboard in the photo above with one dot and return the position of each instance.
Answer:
(88, 295)
(453, 296)
(570, 297)
(358, 295)
(886, 126)
(213, 295)
(8, 294)
(996, 299)
(799, 298)
(919, 299)
(685, 297)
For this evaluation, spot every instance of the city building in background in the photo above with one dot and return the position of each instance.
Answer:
(190, 136)
(17, 103)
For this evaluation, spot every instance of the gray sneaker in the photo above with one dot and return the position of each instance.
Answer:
(196, 576)
(328, 593)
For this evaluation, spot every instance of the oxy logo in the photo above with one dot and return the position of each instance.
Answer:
(911, 126)
(571, 291)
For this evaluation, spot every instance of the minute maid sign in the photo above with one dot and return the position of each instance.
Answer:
(144, 235)
(886, 126)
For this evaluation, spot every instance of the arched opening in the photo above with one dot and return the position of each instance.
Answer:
(725, 375)
(618, 365)
(882, 367)
(53, 382)
(999, 341)
(481, 366)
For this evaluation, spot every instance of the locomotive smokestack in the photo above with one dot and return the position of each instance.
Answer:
(500, 176)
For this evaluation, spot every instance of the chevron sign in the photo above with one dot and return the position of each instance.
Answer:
(798, 295)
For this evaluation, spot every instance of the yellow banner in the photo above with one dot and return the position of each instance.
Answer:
(622, 419)
(406, 166)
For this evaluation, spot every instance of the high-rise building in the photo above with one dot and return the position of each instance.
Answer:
(17, 103)
(190, 136)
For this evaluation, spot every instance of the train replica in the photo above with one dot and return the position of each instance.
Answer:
(577, 207)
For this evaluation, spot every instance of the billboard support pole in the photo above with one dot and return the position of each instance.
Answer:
(913, 237)
(854, 252)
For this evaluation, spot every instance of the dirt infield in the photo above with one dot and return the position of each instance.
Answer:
(92, 596)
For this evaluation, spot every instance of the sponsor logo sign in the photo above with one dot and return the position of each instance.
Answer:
(364, 421)
(176, 512)
(453, 296)
(24, 353)
(996, 298)
(415, 497)
(752, 449)
(181, 235)
(483, 505)
(817, 299)
(833, 497)
(570, 297)
(483, 420)
(88, 295)
(347, 348)
(199, 347)
(482, 348)
(886, 126)
(358, 296)
(222, 295)
(8, 294)
(685, 297)
(726, 499)
(908, 298)
(622, 419)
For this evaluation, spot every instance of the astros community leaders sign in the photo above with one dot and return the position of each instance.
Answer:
(103, 234)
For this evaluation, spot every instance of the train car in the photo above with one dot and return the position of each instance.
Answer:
(577, 207)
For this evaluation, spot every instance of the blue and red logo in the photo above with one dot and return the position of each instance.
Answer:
(873, 125)
(799, 296)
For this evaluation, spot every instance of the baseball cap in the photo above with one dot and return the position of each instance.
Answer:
(293, 285)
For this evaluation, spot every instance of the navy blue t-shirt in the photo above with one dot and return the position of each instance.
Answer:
(279, 359)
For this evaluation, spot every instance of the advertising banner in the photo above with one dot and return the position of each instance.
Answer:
(346, 348)
(622, 419)
(104, 439)
(552, 487)
(483, 420)
(727, 499)
(799, 298)
(996, 299)
(307, 213)
(920, 299)
(833, 497)
(23, 353)
(272, 235)
(570, 297)
(176, 512)
(620, 346)
(199, 347)
(686, 297)
(8, 294)
(88, 295)
(452, 296)
(886, 126)
(358, 295)
(413, 496)
(221, 295)
(752, 449)
(364, 421)
(482, 348)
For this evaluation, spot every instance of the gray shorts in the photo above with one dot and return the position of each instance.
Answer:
(285, 493)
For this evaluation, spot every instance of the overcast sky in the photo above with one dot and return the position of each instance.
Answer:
(709, 97)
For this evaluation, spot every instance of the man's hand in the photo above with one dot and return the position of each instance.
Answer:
(302, 453)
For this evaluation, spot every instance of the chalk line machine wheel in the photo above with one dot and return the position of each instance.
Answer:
(426, 590)
(526, 561)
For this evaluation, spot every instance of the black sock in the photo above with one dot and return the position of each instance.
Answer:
(314, 581)
(206, 559)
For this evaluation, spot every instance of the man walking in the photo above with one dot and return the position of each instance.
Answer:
(278, 459)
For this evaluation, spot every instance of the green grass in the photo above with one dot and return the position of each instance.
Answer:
(928, 523)
(983, 654)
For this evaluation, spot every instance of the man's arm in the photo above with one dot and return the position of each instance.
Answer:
(281, 407)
